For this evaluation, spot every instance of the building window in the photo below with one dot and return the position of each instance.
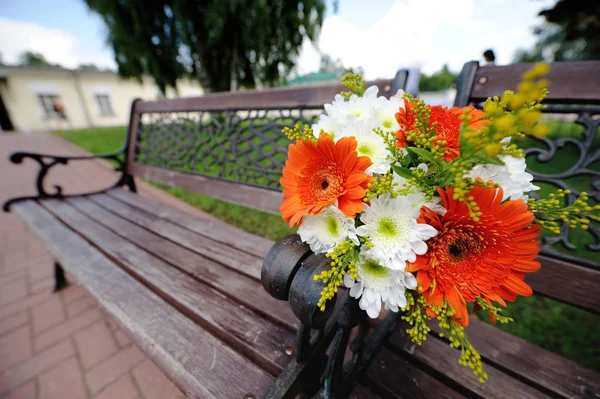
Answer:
(104, 105)
(52, 106)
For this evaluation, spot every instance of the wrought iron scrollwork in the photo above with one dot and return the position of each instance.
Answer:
(573, 153)
(46, 162)
(244, 146)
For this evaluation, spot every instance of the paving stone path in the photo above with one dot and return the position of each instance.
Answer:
(62, 345)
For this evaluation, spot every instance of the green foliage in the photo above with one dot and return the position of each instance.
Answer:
(336, 66)
(571, 32)
(35, 59)
(344, 258)
(216, 42)
(438, 81)
(355, 83)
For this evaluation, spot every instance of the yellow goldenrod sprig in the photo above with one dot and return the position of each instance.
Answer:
(381, 185)
(493, 311)
(415, 315)
(455, 333)
(390, 140)
(355, 83)
(551, 212)
(297, 133)
(343, 261)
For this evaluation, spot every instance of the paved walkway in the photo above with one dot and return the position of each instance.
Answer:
(62, 345)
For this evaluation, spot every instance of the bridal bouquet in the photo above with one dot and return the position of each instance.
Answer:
(424, 208)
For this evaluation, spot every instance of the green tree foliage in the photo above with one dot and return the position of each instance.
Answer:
(31, 58)
(571, 32)
(88, 67)
(439, 81)
(215, 41)
(328, 64)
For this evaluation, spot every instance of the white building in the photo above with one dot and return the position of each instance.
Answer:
(51, 98)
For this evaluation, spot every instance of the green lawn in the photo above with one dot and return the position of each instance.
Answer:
(558, 327)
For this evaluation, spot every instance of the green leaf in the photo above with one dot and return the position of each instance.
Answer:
(444, 179)
(402, 172)
(406, 160)
(424, 154)
(481, 158)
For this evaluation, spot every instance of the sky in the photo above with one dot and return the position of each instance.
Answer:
(380, 36)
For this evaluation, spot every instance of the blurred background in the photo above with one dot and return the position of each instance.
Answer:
(183, 48)
(73, 67)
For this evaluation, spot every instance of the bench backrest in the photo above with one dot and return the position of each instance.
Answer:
(227, 145)
(568, 158)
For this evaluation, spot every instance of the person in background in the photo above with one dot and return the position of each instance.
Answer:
(490, 57)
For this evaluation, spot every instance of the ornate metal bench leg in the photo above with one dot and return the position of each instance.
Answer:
(59, 277)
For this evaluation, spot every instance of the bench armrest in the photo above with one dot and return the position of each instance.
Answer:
(46, 162)
(17, 157)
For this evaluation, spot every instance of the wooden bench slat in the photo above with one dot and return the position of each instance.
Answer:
(530, 362)
(242, 288)
(393, 376)
(241, 328)
(242, 262)
(362, 392)
(221, 232)
(441, 360)
(230, 191)
(284, 97)
(575, 285)
(570, 82)
(198, 363)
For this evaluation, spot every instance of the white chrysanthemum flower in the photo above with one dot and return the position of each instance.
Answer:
(327, 229)
(391, 226)
(386, 112)
(420, 198)
(511, 176)
(377, 284)
(327, 124)
(342, 112)
(370, 144)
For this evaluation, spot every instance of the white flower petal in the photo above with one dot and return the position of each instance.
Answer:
(511, 177)
(380, 286)
(324, 231)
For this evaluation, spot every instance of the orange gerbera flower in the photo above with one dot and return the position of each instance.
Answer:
(487, 258)
(316, 176)
(447, 128)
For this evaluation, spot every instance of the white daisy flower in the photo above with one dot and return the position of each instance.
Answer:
(511, 176)
(377, 284)
(391, 226)
(324, 231)
(386, 112)
(370, 144)
(420, 198)
(327, 124)
(342, 112)
(360, 107)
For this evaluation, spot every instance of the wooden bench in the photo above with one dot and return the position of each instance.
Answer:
(188, 289)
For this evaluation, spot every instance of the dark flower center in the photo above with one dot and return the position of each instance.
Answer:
(324, 184)
(455, 250)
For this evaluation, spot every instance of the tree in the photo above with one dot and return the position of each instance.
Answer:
(218, 42)
(328, 64)
(88, 67)
(31, 58)
(571, 32)
(439, 81)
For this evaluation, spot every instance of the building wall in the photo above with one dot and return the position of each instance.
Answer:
(79, 93)
(21, 91)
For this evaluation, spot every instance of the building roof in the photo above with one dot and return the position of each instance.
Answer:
(314, 77)
(6, 70)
